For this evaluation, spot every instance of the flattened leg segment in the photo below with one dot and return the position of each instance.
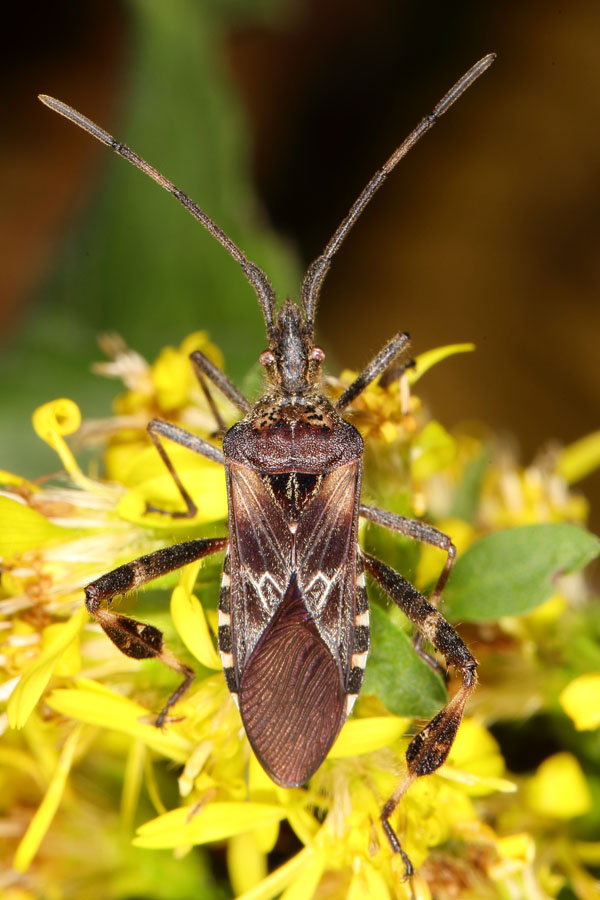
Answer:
(136, 639)
(429, 749)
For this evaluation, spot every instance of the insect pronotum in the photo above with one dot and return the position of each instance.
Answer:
(293, 608)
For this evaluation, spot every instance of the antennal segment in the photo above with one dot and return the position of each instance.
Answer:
(315, 275)
(257, 278)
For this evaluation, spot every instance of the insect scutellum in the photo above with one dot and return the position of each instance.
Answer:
(293, 609)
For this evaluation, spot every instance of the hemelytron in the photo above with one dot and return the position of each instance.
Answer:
(293, 608)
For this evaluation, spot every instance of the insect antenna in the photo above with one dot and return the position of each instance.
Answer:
(257, 278)
(316, 272)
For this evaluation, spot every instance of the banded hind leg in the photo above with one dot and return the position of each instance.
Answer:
(426, 534)
(420, 531)
(136, 639)
(429, 748)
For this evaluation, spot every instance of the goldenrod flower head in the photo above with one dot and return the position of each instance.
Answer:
(80, 703)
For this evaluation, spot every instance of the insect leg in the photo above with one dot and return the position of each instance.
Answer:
(427, 534)
(394, 372)
(386, 356)
(219, 420)
(133, 638)
(429, 748)
(204, 366)
(420, 531)
(157, 429)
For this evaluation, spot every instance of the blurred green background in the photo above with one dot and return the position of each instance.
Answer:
(272, 114)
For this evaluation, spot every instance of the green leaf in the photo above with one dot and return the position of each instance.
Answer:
(466, 496)
(512, 571)
(397, 675)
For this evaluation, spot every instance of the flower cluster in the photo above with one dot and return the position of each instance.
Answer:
(83, 765)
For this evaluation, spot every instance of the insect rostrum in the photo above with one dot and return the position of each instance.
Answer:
(293, 608)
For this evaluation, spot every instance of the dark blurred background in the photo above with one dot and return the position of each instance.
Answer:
(273, 114)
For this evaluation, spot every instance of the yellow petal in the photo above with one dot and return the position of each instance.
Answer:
(425, 361)
(305, 885)
(246, 864)
(365, 735)
(432, 559)
(266, 837)
(110, 710)
(11, 480)
(46, 811)
(144, 464)
(389, 432)
(480, 784)
(476, 762)
(60, 417)
(34, 681)
(475, 745)
(588, 852)
(260, 785)
(433, 450)
(517, 851)
(559, 789)
(22, 761)
(55, 419)
(367, 882)
(190, 622)
(215, 822)
(580, 459)
(581, 701)
(548, 612)
(133, 777)
(172, 378)
(303, 823)
(273, 884)
(205, 481)
(199, 340)
(23, 528)
(517, 846)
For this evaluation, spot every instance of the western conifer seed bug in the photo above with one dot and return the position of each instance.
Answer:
(293, 610)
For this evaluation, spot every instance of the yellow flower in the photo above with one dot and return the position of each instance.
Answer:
(581, 701)
(558, 788)
(78, 702)
(55, 539)
(168, 389)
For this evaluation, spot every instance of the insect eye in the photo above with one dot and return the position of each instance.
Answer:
(266, 358)
(317, 354)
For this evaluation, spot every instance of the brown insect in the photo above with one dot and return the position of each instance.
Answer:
(293, 609)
